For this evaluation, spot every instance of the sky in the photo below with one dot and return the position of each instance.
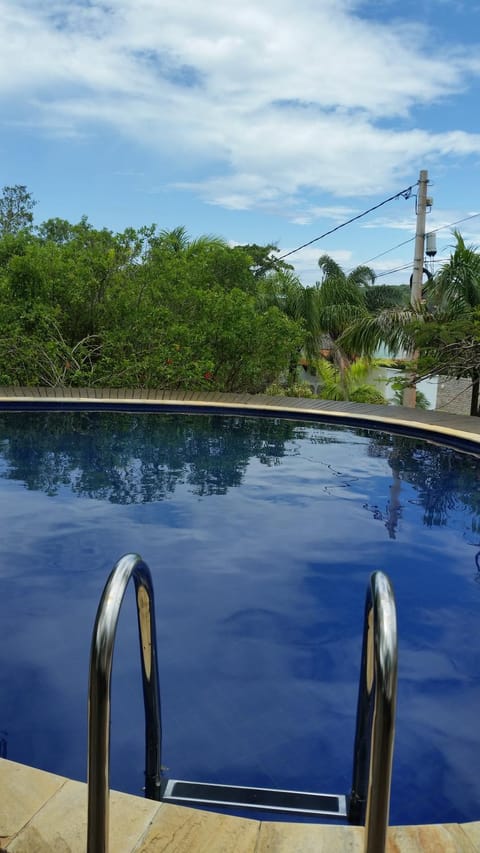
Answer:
(267, 121)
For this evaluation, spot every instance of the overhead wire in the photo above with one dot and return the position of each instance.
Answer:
(411, 239)
(397, 269)
(406, 267)
(406, 193)
(457, 222)
(381, 254)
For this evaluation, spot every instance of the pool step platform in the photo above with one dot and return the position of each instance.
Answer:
(260, 799)
(44, 813)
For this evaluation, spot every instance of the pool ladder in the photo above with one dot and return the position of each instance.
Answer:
(369, 799)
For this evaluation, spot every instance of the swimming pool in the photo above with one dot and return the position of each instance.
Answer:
(261, 535)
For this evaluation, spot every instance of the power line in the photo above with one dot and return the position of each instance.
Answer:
(458, 221)
(404, 243)
(411, 239)
(406, 267)
(397, 269)
(406, 193)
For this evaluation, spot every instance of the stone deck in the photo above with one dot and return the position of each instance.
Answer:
(44, 813)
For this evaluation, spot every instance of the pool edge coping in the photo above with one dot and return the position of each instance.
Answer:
(457, 427)
(56, 810)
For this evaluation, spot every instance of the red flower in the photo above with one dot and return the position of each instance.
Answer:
(208, 375)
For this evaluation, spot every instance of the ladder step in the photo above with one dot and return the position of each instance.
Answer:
(271, 799)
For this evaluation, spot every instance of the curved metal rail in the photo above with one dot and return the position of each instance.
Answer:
(369, 799)
(373, 751)
(101, 657)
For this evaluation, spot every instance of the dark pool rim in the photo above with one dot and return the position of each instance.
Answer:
(460, 432)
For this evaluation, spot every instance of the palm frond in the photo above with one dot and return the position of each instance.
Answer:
(362, 276)
(330, 268)
(392, 327)
(340, 292)
(457, 284)
(333, 319)
(206, 243)
(348, 384)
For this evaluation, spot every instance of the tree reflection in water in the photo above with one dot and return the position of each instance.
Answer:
(445, 480)
(129, 458)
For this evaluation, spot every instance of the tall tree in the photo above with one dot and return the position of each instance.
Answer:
(451, 341)
(445, 327)
(341, 301)
(16, 209)
(361, 276)
(263, 259)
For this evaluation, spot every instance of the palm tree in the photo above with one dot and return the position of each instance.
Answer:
(284, 290)
(457, 285)
(361, 276)
(437, 326)
(324, 310)
(348, 384)
(341, 302)
(455, 297)
(327, 308)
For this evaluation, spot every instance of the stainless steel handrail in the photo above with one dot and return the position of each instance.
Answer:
(369, 799)
(373, 751)
(101, 657)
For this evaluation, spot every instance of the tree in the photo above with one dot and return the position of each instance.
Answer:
(445, 327)
(421, 401)
(381, 296)
(451, 343)
(341, 302)
(16, 209)
(140, 308)
(361, 276)
(349, 383)
(282, 289)
(263, 260)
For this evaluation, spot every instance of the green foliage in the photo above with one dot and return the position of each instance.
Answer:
(349, 383)
(456, 287)
(360, 277)
(381, 296)
(421, 402)
(82, 306)
(341, 302)
(263, 260)
(444, 328)
(450, 345)
(16, 209)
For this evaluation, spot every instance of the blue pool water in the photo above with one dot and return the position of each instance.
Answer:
(261, 535)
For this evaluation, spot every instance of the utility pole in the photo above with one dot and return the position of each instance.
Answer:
(410, 393)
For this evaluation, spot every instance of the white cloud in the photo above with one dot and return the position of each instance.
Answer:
(305, 260)
(440, 220)
(283, 98)
(336, 213)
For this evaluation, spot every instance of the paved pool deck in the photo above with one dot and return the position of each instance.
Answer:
(44, 813)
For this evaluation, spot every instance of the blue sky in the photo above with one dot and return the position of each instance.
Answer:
(260, 122)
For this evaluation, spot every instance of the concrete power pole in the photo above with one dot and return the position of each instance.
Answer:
(410, 394)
